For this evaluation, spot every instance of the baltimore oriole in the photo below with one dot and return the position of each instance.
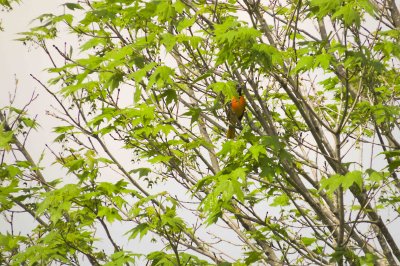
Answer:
(238, 104)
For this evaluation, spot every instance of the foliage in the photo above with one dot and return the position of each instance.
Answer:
(143, 96)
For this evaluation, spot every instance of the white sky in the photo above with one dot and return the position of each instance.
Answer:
(19, 61)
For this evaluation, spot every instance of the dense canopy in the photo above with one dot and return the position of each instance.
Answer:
(144, 92)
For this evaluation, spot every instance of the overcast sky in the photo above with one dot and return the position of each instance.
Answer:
(19, 61)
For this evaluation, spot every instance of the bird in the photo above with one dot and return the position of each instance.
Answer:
(237, 106)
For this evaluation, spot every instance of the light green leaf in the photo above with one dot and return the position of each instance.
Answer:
(307, 241)
(351, 178)
(305, 63)
(256, 150)
(5, 138)
(159, 159)
(282, 200)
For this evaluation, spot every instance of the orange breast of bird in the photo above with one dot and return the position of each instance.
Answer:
(238, 105)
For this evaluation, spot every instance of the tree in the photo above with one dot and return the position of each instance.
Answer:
(311, 177)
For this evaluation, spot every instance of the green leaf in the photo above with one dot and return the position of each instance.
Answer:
(159, 159)
(204, 76)
(237, 190)
(29, 122)
(170, 96)
(179, 6)
(92, 43)
(5, 138)
(114, 80)
(394, 165)
(331, 183)
(349, 15)
(123, 258)
(369, 259)
(58, 201)
(307, 241)
(12, 171)
(194, 113)
(73, 6)
(110, 213)
(63, 129)
(367, 6)
(227, 88)
(225, 264)
(334, 181)
(305, 63)
(324, 7)
(161, 77)
(266, 55)
(323, 61)
(185, 23)
(6, 191)
(169, 41)
(394, 155)
(252, 257)
(10, 242)
(70, 89)
(213, 217)
(141, 73)
(256, 150)
(351, 178)
(143, 171)
(282, 200)
(159, 258)
(165, 11)
(375, 176)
